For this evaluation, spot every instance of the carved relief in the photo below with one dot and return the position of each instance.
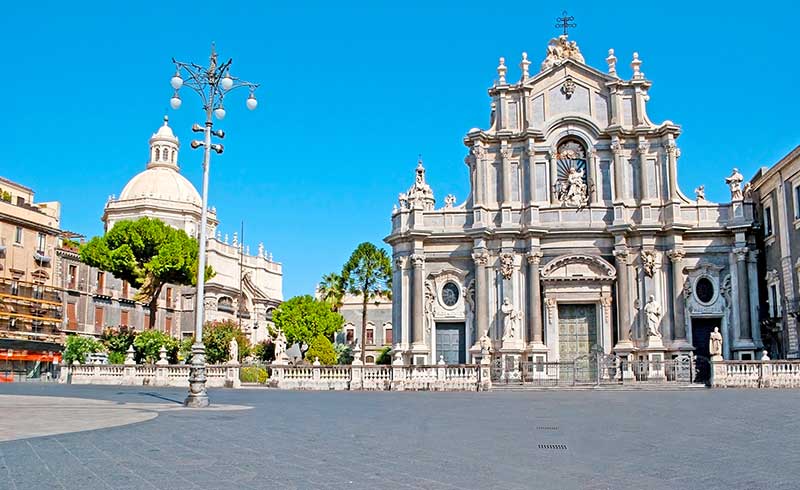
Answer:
(582, 267)
(560, 49)
(210, 303)
(568, 88)
(648, 262)
(507, 265)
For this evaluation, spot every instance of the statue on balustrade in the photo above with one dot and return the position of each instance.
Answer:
(233, 351)
(715, 343)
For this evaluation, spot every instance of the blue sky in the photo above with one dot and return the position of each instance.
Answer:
(351, 93)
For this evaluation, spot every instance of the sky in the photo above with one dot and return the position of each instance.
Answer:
(351, 94)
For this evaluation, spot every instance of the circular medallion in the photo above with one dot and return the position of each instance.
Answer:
(704, 290)
(450, 294)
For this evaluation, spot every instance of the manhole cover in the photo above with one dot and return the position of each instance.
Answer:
(561, 447)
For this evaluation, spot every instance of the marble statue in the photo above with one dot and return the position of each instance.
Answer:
(510, 320)
(449, 201)
(559, 49)
(485, 343)
(653, 311)
(735, 184)
(280, 344)
(233, 351)
(700, 193)
(573, 190)
(715, 343)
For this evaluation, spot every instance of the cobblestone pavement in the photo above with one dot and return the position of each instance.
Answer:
(703, 439)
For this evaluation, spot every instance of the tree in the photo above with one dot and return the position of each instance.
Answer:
(344, 353)
(147, 346)
(118, 339)
(321, 348)
(331, 290)
(217, 339)
(147, 253)
(303, 319)
(264, 351)
(77, 348)
(384, 356)
(368, 273)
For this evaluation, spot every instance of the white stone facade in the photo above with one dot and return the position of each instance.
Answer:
(575, 218)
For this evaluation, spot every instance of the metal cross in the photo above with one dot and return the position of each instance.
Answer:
(565, 22)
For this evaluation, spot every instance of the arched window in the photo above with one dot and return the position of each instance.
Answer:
(225, 304)
(370, 360)
(158, 155)
(174, 154)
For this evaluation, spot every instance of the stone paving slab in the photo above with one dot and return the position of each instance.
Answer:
(706, 439)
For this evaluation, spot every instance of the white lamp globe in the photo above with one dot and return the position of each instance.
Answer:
(176, 82)
(220, 113)
(226, 82)
(175, 102)
(252, 103)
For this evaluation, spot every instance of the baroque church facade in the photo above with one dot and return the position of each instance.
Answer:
(575, 237)
(246, 287)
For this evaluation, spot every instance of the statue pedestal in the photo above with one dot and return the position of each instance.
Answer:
(655, 358)
(511, 353)
(624, 351)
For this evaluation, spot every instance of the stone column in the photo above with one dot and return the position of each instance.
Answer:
(623, 299)
(398, 297)
(534, 299)
(643, 172)
(505, 153)
(672, 162)
(678, 303)
(744, 292)
(481, 259)
(417, 313)
(620, 191)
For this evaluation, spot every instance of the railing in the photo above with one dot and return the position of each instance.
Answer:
(397, 377)
(217, 376)
(756, 374)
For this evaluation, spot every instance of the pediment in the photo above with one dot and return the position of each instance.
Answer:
(570, 68)
(578, 267)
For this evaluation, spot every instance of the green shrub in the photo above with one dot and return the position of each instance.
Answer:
(148, 344)
(322, 348)
(77, 348)
(118, 339)
(344, 353)
(185, 350)
(253, 374)
(385, 356)
(116, 358)
(264, 351)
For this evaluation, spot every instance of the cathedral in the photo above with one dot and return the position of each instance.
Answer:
(575, 237)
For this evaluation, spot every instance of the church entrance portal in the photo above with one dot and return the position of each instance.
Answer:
(450, 343)
(577, 330)
(701, 332)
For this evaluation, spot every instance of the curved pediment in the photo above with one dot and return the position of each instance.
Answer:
(578, 267)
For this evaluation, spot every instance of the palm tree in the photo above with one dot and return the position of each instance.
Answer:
(368, 273)
(331, 290)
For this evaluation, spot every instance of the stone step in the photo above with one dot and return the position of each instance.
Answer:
(603, 387)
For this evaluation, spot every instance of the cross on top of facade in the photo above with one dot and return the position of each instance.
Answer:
(565, 22)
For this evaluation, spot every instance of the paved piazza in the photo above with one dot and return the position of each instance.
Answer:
(354, 440)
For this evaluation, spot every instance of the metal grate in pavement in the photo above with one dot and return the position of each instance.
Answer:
(547, 427)
(561, 447)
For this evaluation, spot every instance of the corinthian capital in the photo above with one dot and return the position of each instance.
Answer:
(400, 262)
(479, 151)
(506, 152)
(418, 260)
(534, 257)
(481, 258)
(616, 146)
(741, 253)
(676, 255)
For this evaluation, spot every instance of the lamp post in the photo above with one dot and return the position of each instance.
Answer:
(211, 84)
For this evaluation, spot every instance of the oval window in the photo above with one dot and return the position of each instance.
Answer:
(450, 294)
(704, 289)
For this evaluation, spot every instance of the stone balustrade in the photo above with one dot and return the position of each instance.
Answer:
(397, 377)
(755, 374)
(177, 375)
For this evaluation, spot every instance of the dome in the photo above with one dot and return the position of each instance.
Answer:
(161, 183)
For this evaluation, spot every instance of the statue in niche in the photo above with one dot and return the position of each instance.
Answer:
(715, 343)
(653, 311)
(510, 322)
(233, 351)
(735, 184)
(573, 190)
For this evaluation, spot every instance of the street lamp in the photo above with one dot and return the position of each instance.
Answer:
(212, 84)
